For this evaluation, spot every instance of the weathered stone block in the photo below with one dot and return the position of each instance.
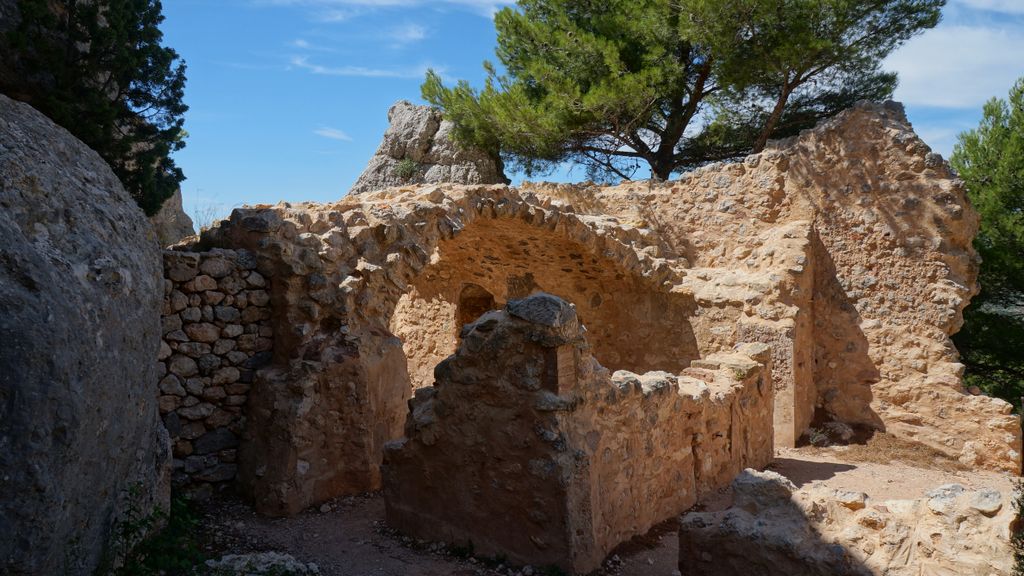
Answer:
(215, 441)
(203, 332)
(182, 366)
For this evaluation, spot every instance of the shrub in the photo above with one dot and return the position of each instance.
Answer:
(406, 169)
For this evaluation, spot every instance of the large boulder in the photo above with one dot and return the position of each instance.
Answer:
(418, 149)
(82, 450)
(171, 223)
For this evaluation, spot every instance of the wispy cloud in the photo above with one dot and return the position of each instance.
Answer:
(326, 8)
(407, 34)
(333, 15)
(958, 66)
(1004, 6)
(306, 45)
(333, 134)
(303, 63)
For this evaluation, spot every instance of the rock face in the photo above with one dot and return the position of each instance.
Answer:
(417, 149)
(846, 250)
(822, 532)
(81, 442)
(523, 425)
(171, 223)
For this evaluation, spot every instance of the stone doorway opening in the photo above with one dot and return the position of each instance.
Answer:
(474, 301)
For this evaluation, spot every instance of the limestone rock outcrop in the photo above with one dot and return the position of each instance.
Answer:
(171, 223)
(417, 148)
(81, 443)
(775, 529)
(526, 447)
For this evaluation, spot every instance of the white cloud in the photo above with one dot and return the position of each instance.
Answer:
(332, 15)
(333, 134)
(958, 66)
(407, 34)
(307, 46)
(1004, 6)
(485, 8)
(303, 63)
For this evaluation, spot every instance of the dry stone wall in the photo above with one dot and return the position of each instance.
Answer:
(523, 425)
(216, 333)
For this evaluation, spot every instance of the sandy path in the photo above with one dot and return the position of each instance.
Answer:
(351, 539)
(880, 481)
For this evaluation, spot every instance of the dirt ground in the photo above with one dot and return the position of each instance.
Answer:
(347, 537)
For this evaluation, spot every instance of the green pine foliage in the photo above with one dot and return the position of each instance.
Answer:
(671, 84)
(990, 159)
(97, 68)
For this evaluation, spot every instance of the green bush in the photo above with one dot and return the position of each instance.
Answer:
(172, 550)
(406, 169)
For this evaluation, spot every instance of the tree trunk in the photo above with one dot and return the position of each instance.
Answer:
(773, 120)
(661, 169)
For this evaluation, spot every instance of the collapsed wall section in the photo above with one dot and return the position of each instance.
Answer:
(894, 269)
(527, 447)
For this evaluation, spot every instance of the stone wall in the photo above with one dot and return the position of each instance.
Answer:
(523, 425)
(216, 333)
(850, 248)
(816, 531)
(348, 350)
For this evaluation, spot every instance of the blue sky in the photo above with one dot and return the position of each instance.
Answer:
(289, 98)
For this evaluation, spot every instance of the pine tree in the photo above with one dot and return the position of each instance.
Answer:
(673, 84)
(97, 68)
(990, 159)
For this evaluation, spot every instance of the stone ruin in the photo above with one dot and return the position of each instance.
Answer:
(523, 428)
(845, 253)
(725, 312)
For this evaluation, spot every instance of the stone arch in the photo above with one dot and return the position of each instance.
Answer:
(633, 324)
(363, 311)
